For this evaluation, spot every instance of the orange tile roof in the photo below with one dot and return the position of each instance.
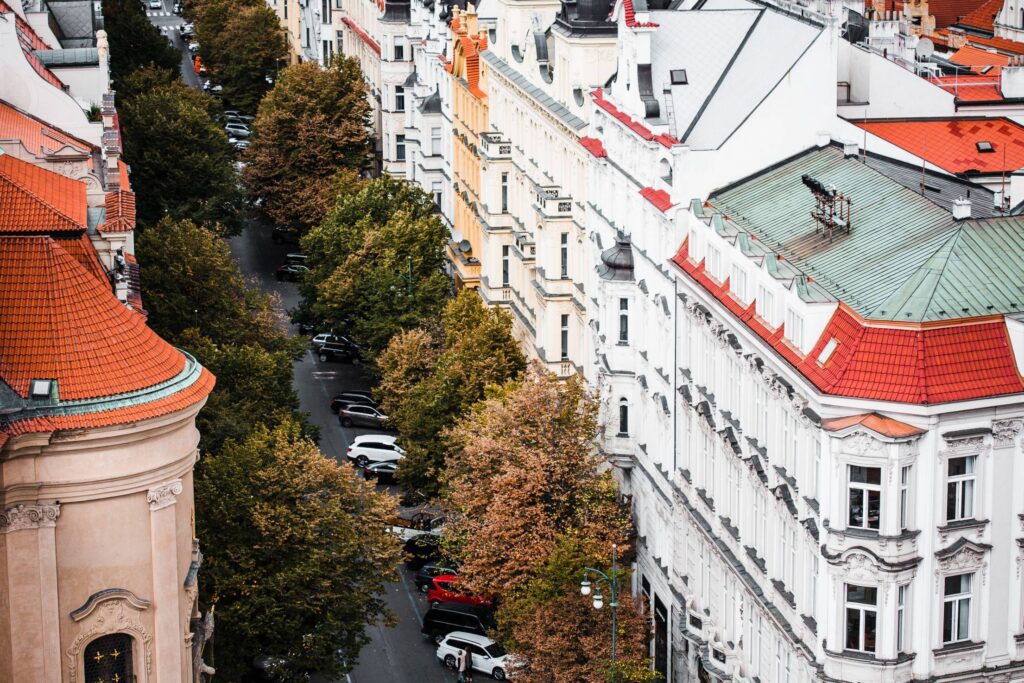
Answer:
(120, 205)
(37, 136)
(33, 199)
(949, 12)
(983, 16)
(951, 144)
(880, 424)
(83, 251)
(1006, 45)
(57, 321)
(973, 88)
(978, 59)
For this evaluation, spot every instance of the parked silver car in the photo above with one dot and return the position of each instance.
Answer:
(362, 416)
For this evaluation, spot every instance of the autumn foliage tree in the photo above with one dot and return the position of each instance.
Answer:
(297, 555)
(310, 127)
(531, 508)
(432, 375)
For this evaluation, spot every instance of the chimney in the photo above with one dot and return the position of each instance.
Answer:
(469, 16)
(1011, 79)
(961, 209)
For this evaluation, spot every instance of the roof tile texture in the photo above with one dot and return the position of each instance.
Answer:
(33, 199)
(951, 144)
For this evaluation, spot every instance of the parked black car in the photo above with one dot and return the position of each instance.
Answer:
(445, 617)
(285, 236)
(421, 550)
(291, 272)
(383, 472)
(338, 353)
(425, 576)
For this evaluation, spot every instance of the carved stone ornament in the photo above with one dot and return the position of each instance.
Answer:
(857, 566)
(114, 611)
(973, 443)
(1005, 432)
(31, 516)
(165, 495)
(860, 443)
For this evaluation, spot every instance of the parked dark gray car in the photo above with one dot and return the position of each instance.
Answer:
(362, 416)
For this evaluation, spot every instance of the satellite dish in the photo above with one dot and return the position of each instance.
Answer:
(925, 49)
(465, 247)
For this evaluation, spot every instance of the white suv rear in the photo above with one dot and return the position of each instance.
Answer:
(370, 448)
(488, 656)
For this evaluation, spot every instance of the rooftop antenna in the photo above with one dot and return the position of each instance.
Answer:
(831, 212)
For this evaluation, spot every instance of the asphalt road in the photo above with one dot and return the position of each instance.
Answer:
(396, 654)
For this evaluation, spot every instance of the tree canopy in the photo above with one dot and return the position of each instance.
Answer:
(376, 263)
(298, 554)
(242, 44)
(310, 127)
(180, 158)
(431, 376)
(134, 41)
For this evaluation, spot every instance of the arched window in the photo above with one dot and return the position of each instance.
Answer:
(665, 170)
(623, 417)
(109, 659)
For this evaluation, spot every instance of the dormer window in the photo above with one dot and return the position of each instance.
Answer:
(40, 388)
(985, 147)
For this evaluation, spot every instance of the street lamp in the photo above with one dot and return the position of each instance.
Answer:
(612, 582)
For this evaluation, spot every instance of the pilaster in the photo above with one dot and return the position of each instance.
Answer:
(166, 582)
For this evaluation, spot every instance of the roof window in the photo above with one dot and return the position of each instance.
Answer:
(40, 388)
(678, 76)
(984, 146)
(827, 352)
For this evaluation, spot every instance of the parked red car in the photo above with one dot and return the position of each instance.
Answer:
(446, 588)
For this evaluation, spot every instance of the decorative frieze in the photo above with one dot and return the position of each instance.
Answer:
(30, 516)
(165, 495)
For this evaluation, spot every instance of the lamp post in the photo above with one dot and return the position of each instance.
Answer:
(610, 580)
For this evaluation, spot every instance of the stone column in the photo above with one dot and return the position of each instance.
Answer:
(1002, 586)
(32, 590)
(166, 582)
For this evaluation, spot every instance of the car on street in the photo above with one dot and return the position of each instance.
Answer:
(330, 338)
(449, 588)
(178, 7)
(446, 617)
(238, 144)
(381, 472)
(368, 448)
(193, 46)
(237, 130)
(296, 257)
(187, 30)
(359, 416)
(290, 272)
(285, 236)
(344, 353)
(421, 551)
(420, 520)
(156, 4)
(488, 657)
(426, 574)
(236, 120)
(347, 398)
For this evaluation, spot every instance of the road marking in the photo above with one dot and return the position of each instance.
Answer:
(325, 374)
(415, 607)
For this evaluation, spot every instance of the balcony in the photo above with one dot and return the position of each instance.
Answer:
(494, 146)
(551, 203)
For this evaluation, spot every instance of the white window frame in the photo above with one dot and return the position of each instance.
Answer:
(623, 321)
(738, 283)
(957, 603)
(795, 328)
(965, 489)
(435, 141)
(866, 489)
(902, 592)
(906, 472)
(863, 609)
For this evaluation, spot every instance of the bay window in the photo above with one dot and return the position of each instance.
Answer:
(861, 618)
(865, 497)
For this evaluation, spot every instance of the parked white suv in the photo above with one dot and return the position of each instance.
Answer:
(488, 656)
(370, 448)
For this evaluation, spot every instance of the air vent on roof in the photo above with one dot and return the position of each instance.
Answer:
(678, 76)
(41, 388)
(985, 146)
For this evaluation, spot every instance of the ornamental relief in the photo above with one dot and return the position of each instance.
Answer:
(31, 516)
(114, 615)
(973, 443)
(1004, 432)
(858, 567)
(964, 561)
(861, 443)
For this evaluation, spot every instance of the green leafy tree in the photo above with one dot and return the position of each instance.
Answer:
(134, 41)
(310, 127)
(431, 377)
(242, 44)
(190, 280)
(297, 555)
(180, 158)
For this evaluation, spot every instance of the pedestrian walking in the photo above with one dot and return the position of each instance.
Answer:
(464, 665)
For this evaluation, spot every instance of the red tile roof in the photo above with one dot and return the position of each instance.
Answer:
(629, 14)
(83, 251)
(362, 34)
(1002, 44)
(880, 424)
(594, 146)
(38, 137)
(983, 16)
(949, 12)
(974, 88)
(57, 321)
(33, 199)
(978, 59)
(659, 198)
(951, 144)
(643, 131)
(921, 364)
(120, 205)
(193, 394)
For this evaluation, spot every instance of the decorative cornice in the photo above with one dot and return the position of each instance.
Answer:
(31, 516)
(163, 496)
(96, 599)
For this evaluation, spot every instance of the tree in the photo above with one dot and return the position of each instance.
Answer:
(296, 554)
(180, 158)
(190, 280)
(521, 473)
(312, 125)
(431, 376)
(243, 44)
(134, 41)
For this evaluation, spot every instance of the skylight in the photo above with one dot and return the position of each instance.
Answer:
(41, 388)
(827, 352)
(985, 146)
(678, 76)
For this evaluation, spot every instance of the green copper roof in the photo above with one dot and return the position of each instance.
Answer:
(905, 257)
